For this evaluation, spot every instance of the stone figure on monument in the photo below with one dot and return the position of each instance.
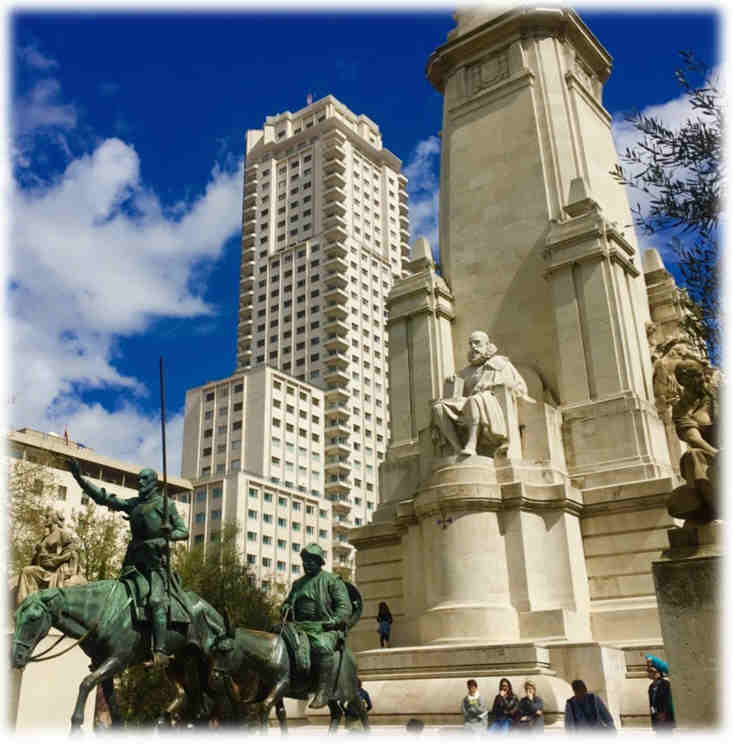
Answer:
(55, 562)
(696, 416)
(470, 418)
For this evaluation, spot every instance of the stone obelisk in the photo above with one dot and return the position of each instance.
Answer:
(531, 564)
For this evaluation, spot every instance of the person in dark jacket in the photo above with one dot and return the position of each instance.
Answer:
(365, 704)
(384, 622)
(531, 709)
(506, 706)
(586, 710)
(661, 708)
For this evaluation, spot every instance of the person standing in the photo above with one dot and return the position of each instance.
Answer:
(531, 708)
(365, 705)
(586, 710)
(506, 706)
(384, 624)
(474, 708)
(661, 708)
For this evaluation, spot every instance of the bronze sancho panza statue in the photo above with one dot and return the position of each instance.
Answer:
(319, 599)
(152, 524)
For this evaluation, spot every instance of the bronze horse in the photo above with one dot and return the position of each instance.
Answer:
(252, 667)
(99, 616)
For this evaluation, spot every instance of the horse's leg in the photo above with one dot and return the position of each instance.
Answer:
(281, 715)
(335, 710)
(107, 669)
(110, 696)
(176, 674)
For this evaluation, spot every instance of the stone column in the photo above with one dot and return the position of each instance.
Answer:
(688, 581)
(420, 310)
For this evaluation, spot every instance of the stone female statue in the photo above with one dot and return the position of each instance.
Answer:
(696, 416)
(55, 562)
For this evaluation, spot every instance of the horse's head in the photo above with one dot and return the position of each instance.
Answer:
(32, 622)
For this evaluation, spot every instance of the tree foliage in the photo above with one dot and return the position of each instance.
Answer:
(31, 485)
(681, 171)
(102, 539)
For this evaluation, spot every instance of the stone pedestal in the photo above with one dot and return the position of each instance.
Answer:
(688, 581)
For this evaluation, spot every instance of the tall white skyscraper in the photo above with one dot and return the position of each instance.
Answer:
(325, 232)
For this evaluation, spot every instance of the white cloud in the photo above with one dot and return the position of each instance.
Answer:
(423, 187)
(33, 57)
(95, 256)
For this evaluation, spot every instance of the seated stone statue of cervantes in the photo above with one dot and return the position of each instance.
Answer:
(470, 418)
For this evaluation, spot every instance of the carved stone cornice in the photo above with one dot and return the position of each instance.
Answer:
(515, 25)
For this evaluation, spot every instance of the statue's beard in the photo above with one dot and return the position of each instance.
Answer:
(477, 358)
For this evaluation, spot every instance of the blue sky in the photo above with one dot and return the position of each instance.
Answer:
(126, 155)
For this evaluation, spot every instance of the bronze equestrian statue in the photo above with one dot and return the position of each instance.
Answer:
(306, 655)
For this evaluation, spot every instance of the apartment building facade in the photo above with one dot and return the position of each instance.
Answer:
(49, 451)
(325, 233)
(253, 447)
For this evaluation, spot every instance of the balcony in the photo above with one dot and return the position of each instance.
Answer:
(245, 328)
(404, 233)
(337, 360)
(334, 147)
(402, 180)
(334, 179)
(333, 195)
(249, 226)
(248, 240)
(334, 343)
(335, 280)
(403, 209)
(406, 251)
(336, 295)
(404, 222)
(338, 487)
(245, 314)
(250, 187)
(336, 250)
(338, 468)
(334, 228)
(247, 282)
(403, 196)
(337, 394)
(249, 214)
(340, 544)
(336, 328)
(339, 449)
(245, 338)
(250, 172)
(250, 200)
(248, 267)
(336, 266)
(336, 311)
(334, 165)
(337, 428)
(246, 297)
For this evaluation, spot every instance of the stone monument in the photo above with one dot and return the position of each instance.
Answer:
(529, 554)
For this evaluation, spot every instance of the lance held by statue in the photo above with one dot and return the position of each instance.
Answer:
(145, 568)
